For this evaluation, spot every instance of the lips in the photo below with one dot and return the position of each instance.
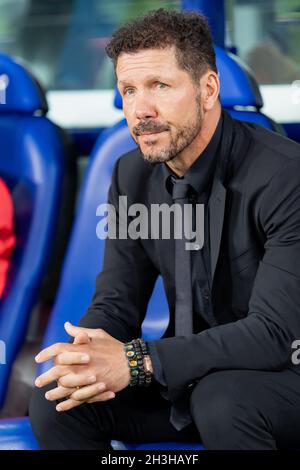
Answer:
(151, 133)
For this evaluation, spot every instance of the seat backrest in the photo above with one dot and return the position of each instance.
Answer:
(240, 93)
(31, 162)
(85, 252)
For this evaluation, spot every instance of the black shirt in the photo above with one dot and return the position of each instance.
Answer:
(200, 177)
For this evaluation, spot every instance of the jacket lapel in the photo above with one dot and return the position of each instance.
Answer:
(216, 207)
(217, 200)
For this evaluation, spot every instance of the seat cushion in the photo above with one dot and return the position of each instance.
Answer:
(16, 434)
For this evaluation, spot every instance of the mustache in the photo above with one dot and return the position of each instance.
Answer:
(149, 126)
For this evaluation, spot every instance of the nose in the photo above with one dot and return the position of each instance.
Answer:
(145, 106)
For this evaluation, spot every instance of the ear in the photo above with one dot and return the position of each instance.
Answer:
(210, 89)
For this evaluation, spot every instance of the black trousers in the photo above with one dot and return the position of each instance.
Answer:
(232, 409)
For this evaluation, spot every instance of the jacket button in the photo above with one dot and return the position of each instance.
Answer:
(206, 294)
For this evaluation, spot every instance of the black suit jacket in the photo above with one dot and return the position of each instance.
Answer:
(255, 261)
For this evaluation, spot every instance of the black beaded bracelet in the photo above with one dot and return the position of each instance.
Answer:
(135, 350)
(147, 374)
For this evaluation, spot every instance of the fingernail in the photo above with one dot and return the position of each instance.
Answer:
(101, 387)
(85, 358)
(92, 379)
(47, 396)
(111, 395)
(58, 408)
(37, 358)
(37, 382)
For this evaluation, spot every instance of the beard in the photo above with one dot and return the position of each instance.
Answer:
(180, 139)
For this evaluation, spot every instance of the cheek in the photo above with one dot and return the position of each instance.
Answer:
(129, 116)
(179, 108)
(187, 107)
(128, 109)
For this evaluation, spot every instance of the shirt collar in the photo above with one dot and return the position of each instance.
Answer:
(199, 175)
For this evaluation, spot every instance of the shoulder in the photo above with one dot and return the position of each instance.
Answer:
(268, 154)
(280, 146)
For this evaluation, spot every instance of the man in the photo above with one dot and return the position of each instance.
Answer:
(7, 236)
(226, 378)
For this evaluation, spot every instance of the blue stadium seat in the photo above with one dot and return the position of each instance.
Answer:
(31, 164)
(240, 93)
(85, 252)
(16, 434)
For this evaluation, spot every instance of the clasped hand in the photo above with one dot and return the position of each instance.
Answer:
(92, 368)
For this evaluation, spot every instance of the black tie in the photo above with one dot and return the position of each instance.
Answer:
(183, 284)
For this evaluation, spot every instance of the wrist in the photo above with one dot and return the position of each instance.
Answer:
(139, 362)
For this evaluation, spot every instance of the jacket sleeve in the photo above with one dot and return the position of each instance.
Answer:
(125, 284)
(262, 340)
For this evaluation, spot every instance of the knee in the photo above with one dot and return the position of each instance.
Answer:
(213, 400)
(217, 403)
(42, 413)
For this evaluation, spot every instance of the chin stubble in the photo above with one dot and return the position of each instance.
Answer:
(183, 138)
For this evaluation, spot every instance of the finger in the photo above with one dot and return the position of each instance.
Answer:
(82, 338)
(76, 330)
(71, 403)
(67, 358)
(68, 405)
(54, 350)
(90, 391)
(102, 397)
(91, 332)
(59, 392)
(51, 375)
(77, 380)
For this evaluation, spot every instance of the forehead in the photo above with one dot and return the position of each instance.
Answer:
(141, 63)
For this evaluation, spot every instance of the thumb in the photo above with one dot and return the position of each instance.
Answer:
(76, 330)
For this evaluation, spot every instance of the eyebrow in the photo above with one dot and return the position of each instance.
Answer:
(123, 82)
(154, 78)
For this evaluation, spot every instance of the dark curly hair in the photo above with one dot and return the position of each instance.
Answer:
(188, 31)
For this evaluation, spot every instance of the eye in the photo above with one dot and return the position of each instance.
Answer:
(128, 91)
(161, 85)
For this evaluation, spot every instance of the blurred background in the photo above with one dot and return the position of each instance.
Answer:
(62, 41)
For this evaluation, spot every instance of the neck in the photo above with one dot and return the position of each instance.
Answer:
(184, 160)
